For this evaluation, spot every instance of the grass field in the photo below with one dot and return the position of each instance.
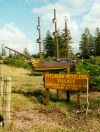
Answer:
(29, 113)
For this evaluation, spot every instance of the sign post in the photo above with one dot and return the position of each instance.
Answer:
(47, 96)
(78, 98)
(68, 92)
(87, 95)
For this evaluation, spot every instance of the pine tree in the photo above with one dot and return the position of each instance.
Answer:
(63, 43)
(97, 42)
(87, 44)
(49, 45)
(3, 52)
(26, 52)
(92, 46)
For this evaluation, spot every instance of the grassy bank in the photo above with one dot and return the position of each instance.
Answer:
(29, 112)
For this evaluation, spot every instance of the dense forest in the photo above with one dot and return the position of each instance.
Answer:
(89, 45)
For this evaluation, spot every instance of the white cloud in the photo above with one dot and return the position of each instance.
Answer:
(74, 7)
(92, 18)
(14, 38)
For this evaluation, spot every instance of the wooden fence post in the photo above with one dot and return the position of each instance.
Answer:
(0, 71)
(6, 101)
(1, 82)
(1, 86)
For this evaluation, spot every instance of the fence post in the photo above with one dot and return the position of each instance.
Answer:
(6, 101)
(1, 82)
(1, 86)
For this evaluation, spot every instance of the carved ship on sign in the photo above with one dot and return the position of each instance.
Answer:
(46, 66)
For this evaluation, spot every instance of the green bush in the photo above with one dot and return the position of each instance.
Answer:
(49, 59)
(92, 68)
(17, 61)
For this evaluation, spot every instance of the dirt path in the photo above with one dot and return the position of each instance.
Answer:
(30, 119)
(24, 119)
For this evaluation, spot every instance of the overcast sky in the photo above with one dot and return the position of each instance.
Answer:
(18, 20)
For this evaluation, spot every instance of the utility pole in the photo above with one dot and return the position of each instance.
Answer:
(39, 39)
(67, 39)
(56, 34)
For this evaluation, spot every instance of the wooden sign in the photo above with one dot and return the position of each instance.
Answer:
(66, 81)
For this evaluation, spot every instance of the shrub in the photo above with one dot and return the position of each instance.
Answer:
(92, 68)
(17, 61)
(49, 59)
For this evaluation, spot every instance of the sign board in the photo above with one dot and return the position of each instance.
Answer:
(66, 81)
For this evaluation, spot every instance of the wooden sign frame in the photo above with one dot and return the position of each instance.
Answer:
(76, 82)
(71, 82)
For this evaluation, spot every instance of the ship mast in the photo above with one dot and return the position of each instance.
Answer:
(39, 39)
(67, 39)
(56, 35)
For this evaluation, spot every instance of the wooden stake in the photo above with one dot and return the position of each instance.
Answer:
(6, 101)
(47, 96)
(57, 94)
(1, 93)
(68, 70)
(87, 96)
(68, 96)
(1, 82)
(78, 99)
(1, 86)
(0, 71)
